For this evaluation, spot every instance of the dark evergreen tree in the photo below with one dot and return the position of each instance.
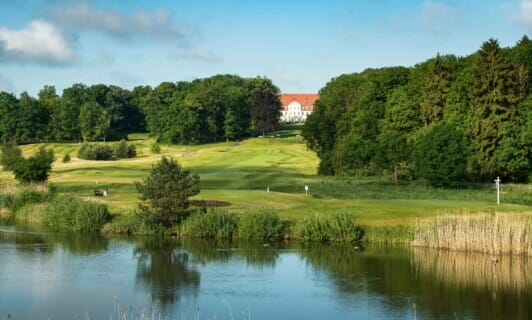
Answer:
(266, 111)
(495, 98)
(434, 91)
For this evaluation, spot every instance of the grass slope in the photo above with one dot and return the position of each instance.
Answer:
(240, 173)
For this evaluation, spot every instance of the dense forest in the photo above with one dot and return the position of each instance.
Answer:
(222, 107)
(448, 119)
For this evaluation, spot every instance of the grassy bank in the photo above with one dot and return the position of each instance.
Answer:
(240, 174)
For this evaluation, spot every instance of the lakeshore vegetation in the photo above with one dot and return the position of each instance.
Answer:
(395, 149)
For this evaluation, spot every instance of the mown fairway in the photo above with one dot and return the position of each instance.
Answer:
(240, 173)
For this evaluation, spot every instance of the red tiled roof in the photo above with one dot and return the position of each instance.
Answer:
(304, 99)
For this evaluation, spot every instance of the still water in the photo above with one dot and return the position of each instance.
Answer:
(51, 276)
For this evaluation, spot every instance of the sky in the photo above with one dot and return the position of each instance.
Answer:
(300, 45)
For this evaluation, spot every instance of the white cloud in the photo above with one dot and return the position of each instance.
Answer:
(154, 24)
(39, 42)
(436, 16)
(525, 15)
(197, 54)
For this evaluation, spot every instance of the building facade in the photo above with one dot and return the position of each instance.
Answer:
(297, 106)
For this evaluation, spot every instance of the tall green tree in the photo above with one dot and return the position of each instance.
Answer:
(441, 155)
(495, 98)
(266, 111)
(31, 119)
(434, 91)
(8, 116)
(93, 121)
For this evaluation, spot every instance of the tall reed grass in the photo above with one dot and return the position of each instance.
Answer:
(76, 215)
(500, 233)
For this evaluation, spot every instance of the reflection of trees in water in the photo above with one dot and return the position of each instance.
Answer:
(500, 285)
(205, 251)
(27, 243)
(84, 244)
(350, 269)
(442, 283)
(166, 271)
(32, 242)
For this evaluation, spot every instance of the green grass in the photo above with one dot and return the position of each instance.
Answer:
(240, 173)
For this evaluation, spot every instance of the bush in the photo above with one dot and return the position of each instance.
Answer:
(89, 151)
(75, 215)
(215, 224)
(123, 150)
(23, 198)
(155, 148)
(338, 227)
(66, 158)
(10, 155)
(35, 168)
(264, 225)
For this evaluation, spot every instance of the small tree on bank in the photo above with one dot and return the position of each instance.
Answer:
(36, 168)
(168, 187)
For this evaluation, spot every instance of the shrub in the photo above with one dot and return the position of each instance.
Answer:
(75, 215)
(66, 158)
(264, 225)
(338, 227)
(10, 155)
(155, 148)
(215, 224)
(89, 151)
(23, 198)
(35, 168)
(123, 150)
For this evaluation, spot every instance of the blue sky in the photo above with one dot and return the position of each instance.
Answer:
(300, 45)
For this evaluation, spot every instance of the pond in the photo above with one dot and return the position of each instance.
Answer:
(54, 276)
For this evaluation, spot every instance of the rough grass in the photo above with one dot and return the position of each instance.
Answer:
(240, 173)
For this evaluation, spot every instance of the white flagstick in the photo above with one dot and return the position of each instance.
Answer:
(497, 183)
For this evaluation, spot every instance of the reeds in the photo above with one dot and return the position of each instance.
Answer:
(499, 233)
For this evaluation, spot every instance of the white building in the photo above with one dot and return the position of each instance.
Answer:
(297, 106)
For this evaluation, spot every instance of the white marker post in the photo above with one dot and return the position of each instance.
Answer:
(498, 183)
(306, 191)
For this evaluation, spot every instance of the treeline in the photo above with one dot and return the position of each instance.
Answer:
(448, 120)
(204, 110)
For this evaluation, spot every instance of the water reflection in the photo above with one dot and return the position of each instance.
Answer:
(254, 254)
(302, 280)
(36, 241)
(166, 272)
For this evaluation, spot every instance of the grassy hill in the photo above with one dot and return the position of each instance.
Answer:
(240, 173)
